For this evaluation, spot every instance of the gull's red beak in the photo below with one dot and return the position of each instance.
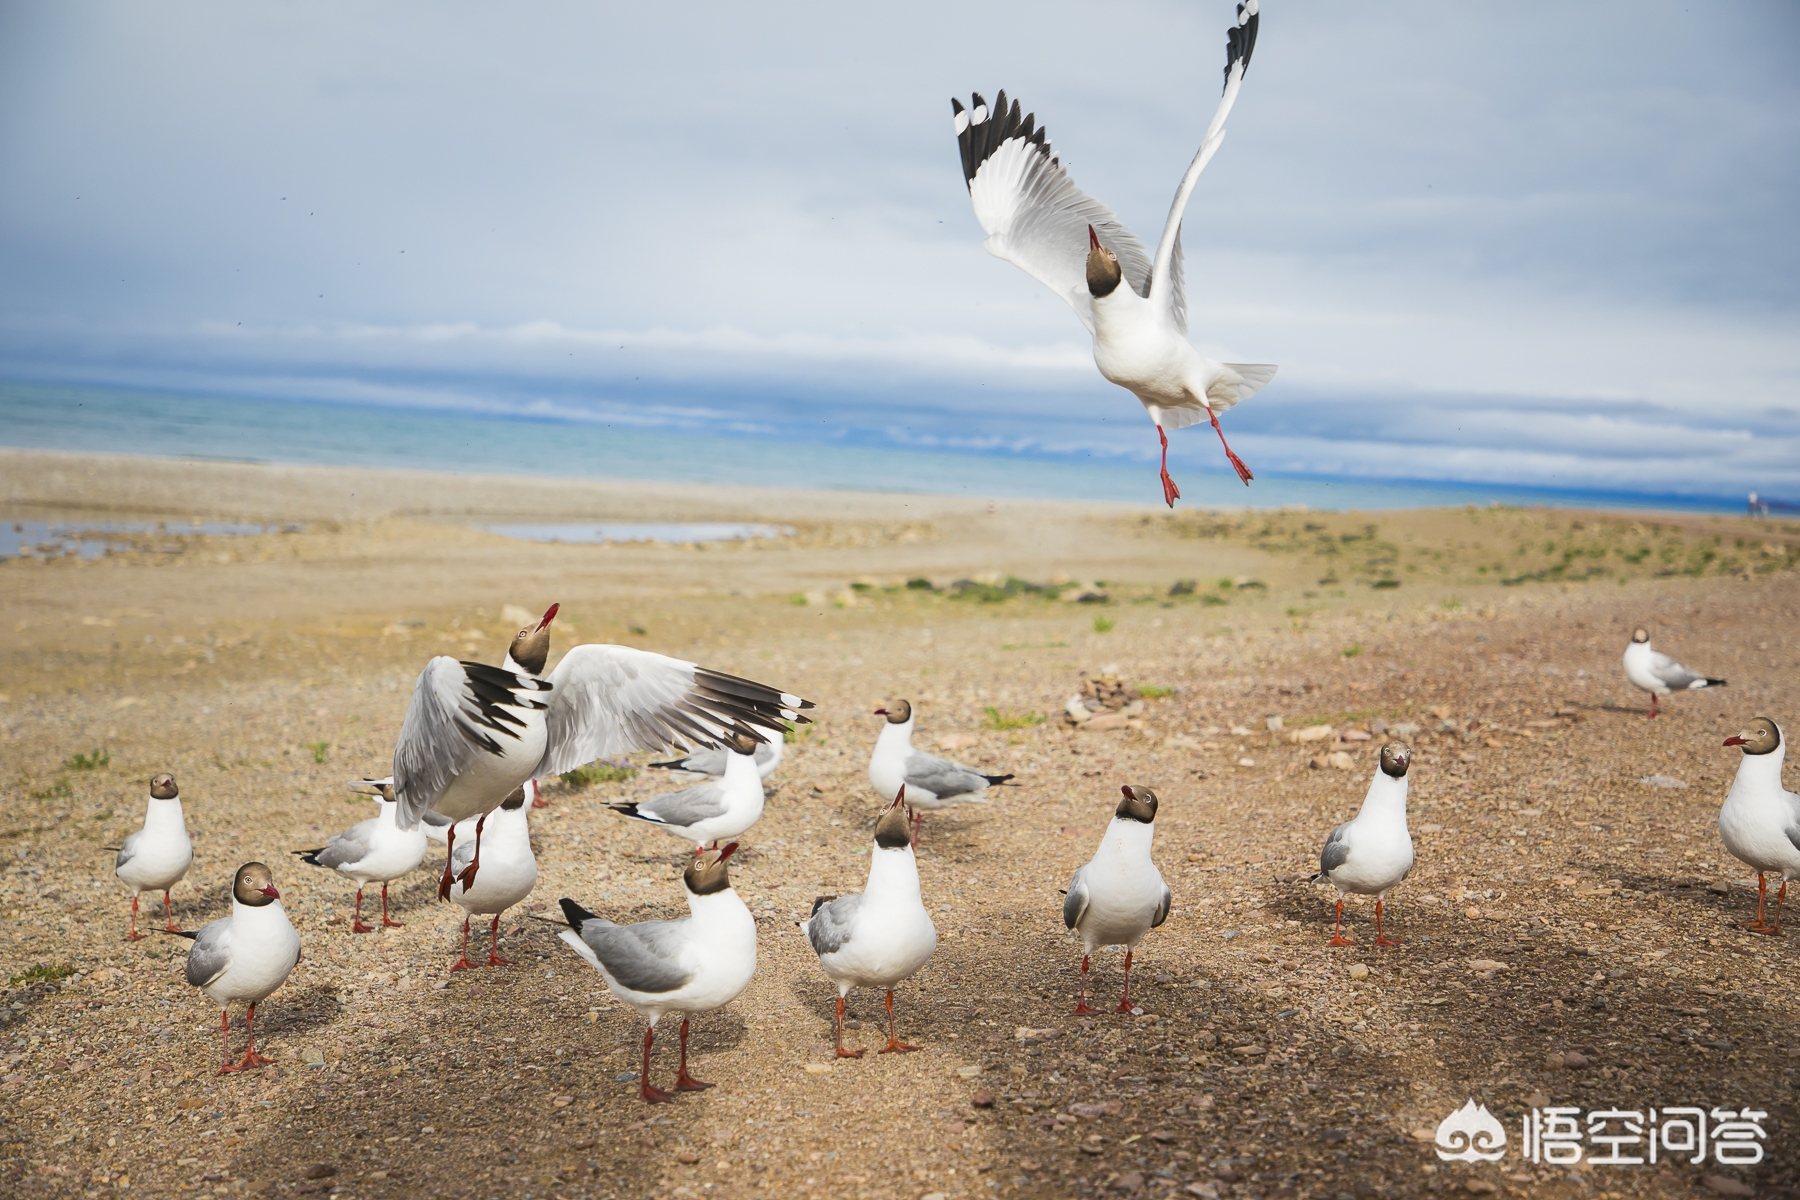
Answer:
(728, 851)
(1093, 239)
(880, 712)
(1734, 740)
(271, 893)
(549, 616)
(1125, 791)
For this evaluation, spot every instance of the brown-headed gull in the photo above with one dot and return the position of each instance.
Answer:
(930, 782)
(1119, 896)
(506, 878)
(881, 937)
(372, 851)
(1659, 674)
(474, 733)
(1760, 820)
(1372, 853)
(156, 857)
(691, 965)
(243, 958)
(722, 808)
(1038, 220)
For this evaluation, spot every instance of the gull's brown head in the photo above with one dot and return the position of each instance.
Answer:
(1395, 758)
(1103, 273)
(516, 798)
(1640, 635)
(892, 832)
(531, 645)
(742, 742)
(1136, 803)
(706, 874)
(162, 787)
(1761, 736)
(254, 886)
(898, 713)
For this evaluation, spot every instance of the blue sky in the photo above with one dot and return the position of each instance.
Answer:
(1531, 243)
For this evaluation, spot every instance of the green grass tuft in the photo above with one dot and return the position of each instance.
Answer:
(42, 973)
(1009, 720)
(597, 773)
(91, 761)
(1102, 625)
(1152, 692)
(319, 750)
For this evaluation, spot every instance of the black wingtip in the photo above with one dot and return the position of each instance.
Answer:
(818, 903)
(996, 780)
(1240, 42)
(189, 934)
(1715, 683)
(308, 856)
(672, 764)
(956, 107)
(629, 808)
(574, 914)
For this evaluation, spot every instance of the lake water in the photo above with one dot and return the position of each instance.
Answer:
(92, 539)
(117, 421)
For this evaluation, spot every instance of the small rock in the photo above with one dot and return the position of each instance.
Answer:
(1422, 1135)
(1092, 1148)
(1206, 1191)
(935, 1196)
(1130, 1181)
(563, 1101)
(689, 1157)
(625, 1077)
(319, 1171)
(982, 1099)
(1335, 1135)
(1574, 1059)
(1480, 1187)
(312, 1057)
(968, 1072)
(1725, 1185)
(816, 1068)
(1487, 965)
(1358, 971)
(1163, 1136)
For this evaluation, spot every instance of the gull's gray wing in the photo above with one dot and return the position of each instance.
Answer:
(458, 710)
(829, 926)
(941, 777)
(350, 846)
(1162, 907)
(1673, 674)
(615, 699)
(1075, 903)
(764, 752)
(128, 848)
(1336, 851)
(685, 807)
(645, 957)
(702, 762)
(211, 953)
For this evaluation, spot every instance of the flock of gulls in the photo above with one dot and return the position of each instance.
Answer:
(477, 738)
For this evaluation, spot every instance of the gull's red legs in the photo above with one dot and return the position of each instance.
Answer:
(134, 935)
(468, 873)
(384, 913)
(1652, 704)
(1081, 1006)
(1337, 931)
(894, 1044)
(462, 963)
(356, 925)
(1380, 939)
(1238, 463)
(1760, 925)
(1125, 1000)
(646, 1093)
(168, 913)
(251, 1057)
(449, 856)
(683, 1081)
(841, 1052)
(494, 959)
(1171, 493)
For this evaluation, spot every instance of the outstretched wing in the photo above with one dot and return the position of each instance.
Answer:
(1167, 286)
(615, 699)
(458, 710)
(1034, 215)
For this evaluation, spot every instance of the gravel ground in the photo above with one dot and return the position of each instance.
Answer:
(1571, 933)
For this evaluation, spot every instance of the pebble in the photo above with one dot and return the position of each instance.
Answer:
(1357, 971)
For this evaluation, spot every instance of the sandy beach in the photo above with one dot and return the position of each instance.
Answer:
(1572, 933)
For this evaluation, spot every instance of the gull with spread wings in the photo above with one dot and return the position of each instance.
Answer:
(1038, 220)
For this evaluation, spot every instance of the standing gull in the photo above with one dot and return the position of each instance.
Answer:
(1659, 674)
(930, 782)
(376, 850)
(155, 858)
(508, 878)
(1760, 820)
(1119, 896)
(1371, 854)
(243, 958)
(881, 937)
(706, 812)
(691, 965)
(474, 733)
(1038, 220)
